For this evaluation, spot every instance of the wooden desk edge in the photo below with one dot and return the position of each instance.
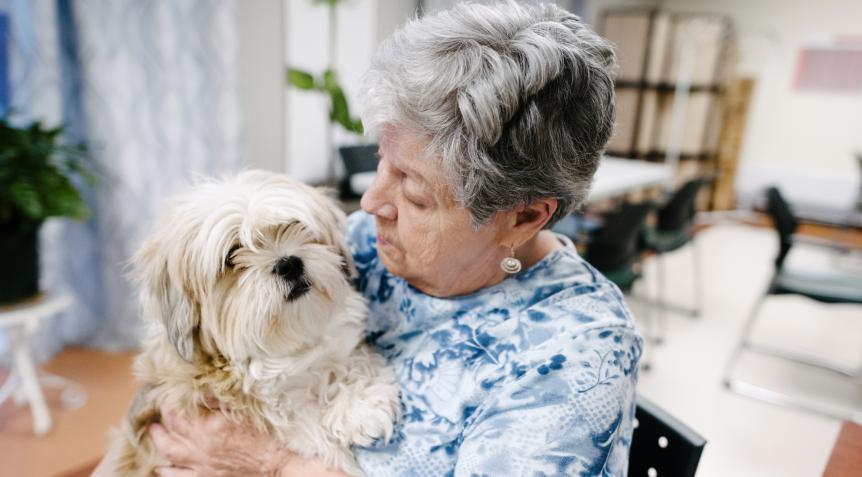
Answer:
(846, 457)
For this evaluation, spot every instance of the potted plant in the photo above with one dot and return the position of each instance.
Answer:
(327, 83)
(37, 181)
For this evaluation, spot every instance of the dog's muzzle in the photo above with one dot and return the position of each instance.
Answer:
(292, 271)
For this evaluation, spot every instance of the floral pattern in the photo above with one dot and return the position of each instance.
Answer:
(533, 376)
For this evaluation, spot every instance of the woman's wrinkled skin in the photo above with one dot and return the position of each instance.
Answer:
(426, 237)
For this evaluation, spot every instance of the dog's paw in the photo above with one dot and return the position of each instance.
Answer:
(362, 416)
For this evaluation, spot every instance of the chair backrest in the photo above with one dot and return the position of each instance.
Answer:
(679, 211)
(360, 158)
(662, 443)
(784, 221)
(614, 245)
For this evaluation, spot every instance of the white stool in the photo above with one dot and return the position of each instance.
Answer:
(24, 383)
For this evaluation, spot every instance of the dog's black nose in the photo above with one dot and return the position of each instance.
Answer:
(289, 268)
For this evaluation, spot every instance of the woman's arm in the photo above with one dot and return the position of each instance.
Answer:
(215, 446)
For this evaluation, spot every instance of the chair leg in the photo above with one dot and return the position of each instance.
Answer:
(661, 301)
(742, 343)
(649, 330)
(774, 397)
(661, 318)
(697, 279)
(843, 371)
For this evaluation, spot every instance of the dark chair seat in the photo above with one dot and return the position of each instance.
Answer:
(623, 278)
(824, 286)
(667, 241)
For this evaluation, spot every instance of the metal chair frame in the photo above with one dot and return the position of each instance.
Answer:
(683, 200)
(785, 224)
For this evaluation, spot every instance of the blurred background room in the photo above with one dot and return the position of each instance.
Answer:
(728, 207)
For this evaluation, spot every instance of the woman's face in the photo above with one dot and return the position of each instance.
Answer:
(423, 235)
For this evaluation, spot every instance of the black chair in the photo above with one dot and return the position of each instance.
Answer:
(356, 159)
(825, 286)
(662, 446)
(613, 249)
(673, 230)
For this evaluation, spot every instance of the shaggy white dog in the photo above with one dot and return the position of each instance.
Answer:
(246, 288)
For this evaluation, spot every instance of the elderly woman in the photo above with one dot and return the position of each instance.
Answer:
(514, 356)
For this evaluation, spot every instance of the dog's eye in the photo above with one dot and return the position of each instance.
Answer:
(228, 260)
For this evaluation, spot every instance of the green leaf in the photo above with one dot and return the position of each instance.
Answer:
(26, 198)
(301, 79)
(39, 173)
(330, 82)
(340, 112)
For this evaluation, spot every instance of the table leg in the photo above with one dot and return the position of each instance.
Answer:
(30, 383)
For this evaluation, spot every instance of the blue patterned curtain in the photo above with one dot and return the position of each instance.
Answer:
(151, 87)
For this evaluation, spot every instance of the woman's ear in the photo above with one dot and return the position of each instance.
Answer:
(527, 220)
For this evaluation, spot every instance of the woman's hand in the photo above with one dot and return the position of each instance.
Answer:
(215, 446)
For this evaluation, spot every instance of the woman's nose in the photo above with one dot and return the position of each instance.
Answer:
(376, 200)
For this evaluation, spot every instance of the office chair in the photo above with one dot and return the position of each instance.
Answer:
(825, 286)
(613, 249)
(673, 230)
(356, 159)
(662, 445)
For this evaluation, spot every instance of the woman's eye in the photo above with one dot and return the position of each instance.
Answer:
(415, 203)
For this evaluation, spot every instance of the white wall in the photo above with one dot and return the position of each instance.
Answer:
(786, 128)
(261, 79)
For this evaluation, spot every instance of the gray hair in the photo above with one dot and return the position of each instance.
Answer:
(518, 101)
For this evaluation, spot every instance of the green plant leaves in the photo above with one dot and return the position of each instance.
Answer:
(37, 175)
(339, 111)
(300, 79)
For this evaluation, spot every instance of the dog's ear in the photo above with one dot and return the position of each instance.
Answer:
(163, 297)
(338, 223)
(349, 265)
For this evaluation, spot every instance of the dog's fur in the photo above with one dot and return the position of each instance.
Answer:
(282, 352)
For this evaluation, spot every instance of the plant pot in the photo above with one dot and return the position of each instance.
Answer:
(19, 272)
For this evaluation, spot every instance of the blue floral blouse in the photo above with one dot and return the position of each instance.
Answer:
(533, 376)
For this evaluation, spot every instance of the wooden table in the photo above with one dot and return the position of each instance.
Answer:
(846, 458)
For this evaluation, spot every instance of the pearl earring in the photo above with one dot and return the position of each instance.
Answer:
(511, 265)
